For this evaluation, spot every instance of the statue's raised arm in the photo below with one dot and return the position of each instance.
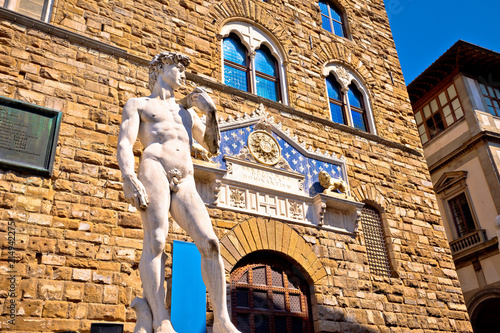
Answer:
(208, 134)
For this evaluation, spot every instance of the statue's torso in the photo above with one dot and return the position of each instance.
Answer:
(166, 133)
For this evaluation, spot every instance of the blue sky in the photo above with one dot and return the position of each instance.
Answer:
(425, 29)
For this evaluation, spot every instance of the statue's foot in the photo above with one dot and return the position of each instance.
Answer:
(144, 323)
(224, 327)
(165, 327)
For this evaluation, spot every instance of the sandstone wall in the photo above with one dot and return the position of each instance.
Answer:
(78, 243)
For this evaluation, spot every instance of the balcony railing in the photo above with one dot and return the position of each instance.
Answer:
(468, 241)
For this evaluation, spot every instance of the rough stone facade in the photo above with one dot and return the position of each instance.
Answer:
(78, 242)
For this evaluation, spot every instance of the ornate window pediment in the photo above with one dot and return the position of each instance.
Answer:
(459, 211)
(264, 170)
(449, 179)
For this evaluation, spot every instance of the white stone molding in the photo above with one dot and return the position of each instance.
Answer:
(296, 211)
(208, 181)
(217, 185)
(264, 202)
(345, 77)
(337, 213)
(261, 116)
(476, 96)
(237, 198)
(219, 188)
(252, 38)
(264, 176)
(275, 191)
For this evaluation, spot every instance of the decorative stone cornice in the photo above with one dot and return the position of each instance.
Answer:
(464, 148)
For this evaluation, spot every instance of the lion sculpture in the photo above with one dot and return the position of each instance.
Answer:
(331, 184)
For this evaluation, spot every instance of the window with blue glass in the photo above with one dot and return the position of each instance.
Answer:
(236, 63)
(332, 18)
(335, 98)
(348, 107)
(266, 74)
(239, 69)
(357, 108)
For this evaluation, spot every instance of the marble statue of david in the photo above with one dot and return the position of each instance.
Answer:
(165, 183)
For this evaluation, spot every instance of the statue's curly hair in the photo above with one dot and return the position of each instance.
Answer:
(162, 58)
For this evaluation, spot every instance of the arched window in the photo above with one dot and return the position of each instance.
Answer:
(266, 74)
(357, 108)
(236, 63)
(352, 113)
(332, 18)
(337, 105)
(252, 61)
(266, 296)
(348, 99)
(376, 249)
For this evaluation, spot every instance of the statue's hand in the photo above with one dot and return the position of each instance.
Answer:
(135, 192)
(200, 99)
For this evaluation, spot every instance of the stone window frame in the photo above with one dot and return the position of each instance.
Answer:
(345, 77)
(45, 15)
(462, 205)
(252, 37)
(436, 107)
(343, 16)
(492, 94)
(450, 186)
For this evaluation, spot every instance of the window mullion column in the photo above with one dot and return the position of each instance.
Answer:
(253, 79)
(330, 18)
(346, 107)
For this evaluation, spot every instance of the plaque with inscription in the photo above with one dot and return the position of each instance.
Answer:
(264, 176)
(28, 135)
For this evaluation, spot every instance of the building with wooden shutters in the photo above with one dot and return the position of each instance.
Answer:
(457, 112)
(302, 87)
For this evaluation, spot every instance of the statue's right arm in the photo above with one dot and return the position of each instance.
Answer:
(132, 187)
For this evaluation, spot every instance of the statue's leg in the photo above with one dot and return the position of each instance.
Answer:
(155, 224)
(190, 213)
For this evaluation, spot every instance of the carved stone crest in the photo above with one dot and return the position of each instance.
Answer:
(264, 148)
(237, 198)
(296, 210)
(343, 76)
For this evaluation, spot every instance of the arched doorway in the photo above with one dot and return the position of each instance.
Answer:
(268, 295)
(485, 318)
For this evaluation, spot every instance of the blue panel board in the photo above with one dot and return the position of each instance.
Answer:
(189, 299)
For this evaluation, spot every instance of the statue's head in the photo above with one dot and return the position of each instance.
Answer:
(164, 59)
(324, 179)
